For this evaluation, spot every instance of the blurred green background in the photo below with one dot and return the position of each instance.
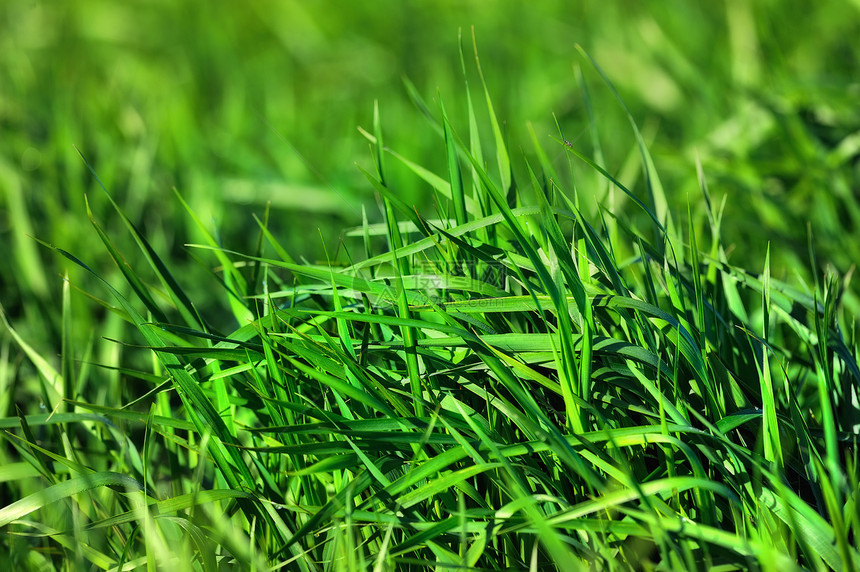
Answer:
(237, 104)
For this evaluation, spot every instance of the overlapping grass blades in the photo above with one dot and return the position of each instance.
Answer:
(501, 393)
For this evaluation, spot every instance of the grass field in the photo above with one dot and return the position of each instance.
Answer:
(325, 286)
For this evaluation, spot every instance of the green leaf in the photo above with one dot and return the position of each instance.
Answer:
(62, 490)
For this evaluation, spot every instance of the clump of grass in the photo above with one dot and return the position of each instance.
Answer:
(505, 385)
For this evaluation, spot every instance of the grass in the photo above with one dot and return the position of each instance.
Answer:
(556, 361)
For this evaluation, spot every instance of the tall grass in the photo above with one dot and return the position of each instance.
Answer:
(508, 383)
